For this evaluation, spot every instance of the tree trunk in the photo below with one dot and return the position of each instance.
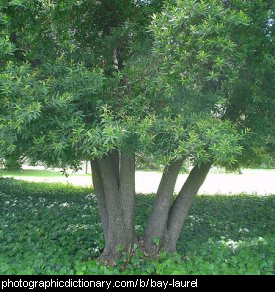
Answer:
(100, 196)
(159, 216)
(182, 204)
(114, 184)
(116, 228)
(127, 195)
(115, 165)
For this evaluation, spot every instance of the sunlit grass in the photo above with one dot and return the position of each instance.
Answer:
(36, 173)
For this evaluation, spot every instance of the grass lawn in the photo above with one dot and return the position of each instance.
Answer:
(55, 229)
(35, 173)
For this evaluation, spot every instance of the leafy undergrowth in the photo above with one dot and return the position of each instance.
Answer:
(55, 229)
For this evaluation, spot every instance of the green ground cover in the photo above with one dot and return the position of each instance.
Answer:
(55, 229)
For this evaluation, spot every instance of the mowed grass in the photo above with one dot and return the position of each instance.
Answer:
(55, 229)
(35, 173)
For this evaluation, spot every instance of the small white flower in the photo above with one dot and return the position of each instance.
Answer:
(261, 239)
(91, 196)
(138, 227)
(86, 207)
(64, 205)
(243, 230)
(50, 206)
(232, 244)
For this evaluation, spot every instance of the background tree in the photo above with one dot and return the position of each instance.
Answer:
(13, 163)
(86, 80)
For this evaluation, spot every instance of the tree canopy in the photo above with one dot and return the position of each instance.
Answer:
(93, 83)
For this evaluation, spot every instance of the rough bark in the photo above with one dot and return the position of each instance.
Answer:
(116, 227)
(127, 194)
(159, 216)
(114, 184)
(114, 159)
(182, 204)
(100, 196)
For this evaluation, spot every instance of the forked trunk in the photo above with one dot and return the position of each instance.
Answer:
(166, 220)
(114, 184)
(157, 221)
(182, 204)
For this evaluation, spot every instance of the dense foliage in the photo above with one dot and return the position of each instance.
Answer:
(55, 229)
(78, 79)
(60, 84)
